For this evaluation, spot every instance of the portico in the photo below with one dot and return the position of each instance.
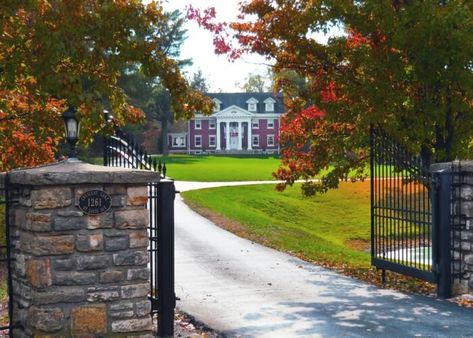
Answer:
(231, 124)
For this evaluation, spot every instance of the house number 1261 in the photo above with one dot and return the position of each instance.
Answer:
(95, 202)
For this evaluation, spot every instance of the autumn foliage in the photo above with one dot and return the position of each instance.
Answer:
(59, 53)
(405, 65)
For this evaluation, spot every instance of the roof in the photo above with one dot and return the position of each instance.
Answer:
(240, 100)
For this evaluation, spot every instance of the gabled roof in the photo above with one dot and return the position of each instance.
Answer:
(233, 111)
(240, 100)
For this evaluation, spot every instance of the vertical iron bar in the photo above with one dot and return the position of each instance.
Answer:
(167, 297)
(442, 233)
(372, 190)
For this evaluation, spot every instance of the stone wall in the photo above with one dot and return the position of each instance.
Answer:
(75, 274)
(461, 223)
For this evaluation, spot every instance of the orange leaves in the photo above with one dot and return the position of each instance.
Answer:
(28, 129)
(59, 53)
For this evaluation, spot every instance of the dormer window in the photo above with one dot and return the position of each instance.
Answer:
(269, 104)
(252, 104)
(217, 104)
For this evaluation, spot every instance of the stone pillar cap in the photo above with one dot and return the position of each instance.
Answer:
(78, 172)
(465, 166)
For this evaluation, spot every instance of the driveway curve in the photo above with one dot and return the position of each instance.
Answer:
(243, 289)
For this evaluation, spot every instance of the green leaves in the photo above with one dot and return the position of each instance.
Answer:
(404, 65)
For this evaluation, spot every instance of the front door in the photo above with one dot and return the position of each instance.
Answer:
(233, 139)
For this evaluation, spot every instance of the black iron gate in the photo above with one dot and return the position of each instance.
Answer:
(410, 214)
(121, 150)
(6, 310)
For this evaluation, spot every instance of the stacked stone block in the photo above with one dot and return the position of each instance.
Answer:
(461, 226)
(79, 275)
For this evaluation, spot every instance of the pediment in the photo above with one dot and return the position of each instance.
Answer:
(233, 111)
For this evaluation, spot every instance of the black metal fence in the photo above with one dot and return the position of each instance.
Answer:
(417, 218)
(121, 150)
(6, 314)
(401, 209)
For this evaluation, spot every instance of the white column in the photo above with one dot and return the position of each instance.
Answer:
(249, 135)
(227, 141)
(240, 135)
(218, 135)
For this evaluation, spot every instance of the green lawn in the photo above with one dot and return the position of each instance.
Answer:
(220, 168)
(333, 228)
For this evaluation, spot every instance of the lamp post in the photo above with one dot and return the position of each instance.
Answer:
(71, 126)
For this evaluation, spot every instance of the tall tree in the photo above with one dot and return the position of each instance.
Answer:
(256, 83)
(199, 82)
(148, 93)
(59, 53)
(405, 65)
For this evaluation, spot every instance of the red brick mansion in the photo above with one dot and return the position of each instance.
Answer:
(242, 122)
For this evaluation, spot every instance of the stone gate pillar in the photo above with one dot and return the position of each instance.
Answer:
(461, 223)
(80, 259)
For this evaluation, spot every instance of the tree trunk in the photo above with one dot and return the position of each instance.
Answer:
(164, 136)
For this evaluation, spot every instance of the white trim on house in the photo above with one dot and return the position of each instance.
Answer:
(200, 124)
(214, 137)
(269, 104)
(253, 139)
(272, 124)
(217, 104)
(181, 137)
(252, 105)
(268, 137)
(195, 141)
(214, 123)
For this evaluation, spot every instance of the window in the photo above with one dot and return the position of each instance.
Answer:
(178, 141)
(217, 104)
(270, 124)
(255, 124)
(270, 140)
(212, 141)
(255, 140)
(212, 124)
(198, 124)
(198, 141)
(269, 106)
(252, 104)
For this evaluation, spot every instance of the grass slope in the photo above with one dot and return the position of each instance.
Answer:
(220, 168)
(332, 228)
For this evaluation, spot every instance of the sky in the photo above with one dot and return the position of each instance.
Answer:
(221, 74)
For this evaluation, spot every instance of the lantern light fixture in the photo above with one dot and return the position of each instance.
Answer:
(72, 127)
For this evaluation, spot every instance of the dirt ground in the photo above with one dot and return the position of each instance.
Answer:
(186, 326)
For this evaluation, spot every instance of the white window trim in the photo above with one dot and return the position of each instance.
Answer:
(173, 137)
(269, 107)
(253, 140)
(267, 124)
(253, 126)
(215, 141)
(252, 107)
(267, 141)
(195, 141)
(200, 125)
(217, 104)
(215, 125)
